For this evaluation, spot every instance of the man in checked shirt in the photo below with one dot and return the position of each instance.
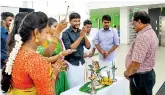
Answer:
(140, 59)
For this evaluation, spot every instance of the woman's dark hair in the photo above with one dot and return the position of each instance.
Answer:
(29, 23)
(106, 17)
(74, 16)
(87, 22)
(142, 16)
(17, 21)
(51, 21)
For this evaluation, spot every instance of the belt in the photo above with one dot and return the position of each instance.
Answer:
(144, 72)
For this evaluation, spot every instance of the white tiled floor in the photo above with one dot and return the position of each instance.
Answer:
(159, 67)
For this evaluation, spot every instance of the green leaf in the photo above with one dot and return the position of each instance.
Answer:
(98, 71)
(91, 66)
(85, 87)
(103, 67)
(91, 70)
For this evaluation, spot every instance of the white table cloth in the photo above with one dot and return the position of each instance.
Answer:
(121, 87)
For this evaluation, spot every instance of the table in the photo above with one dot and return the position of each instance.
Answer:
(121, 87)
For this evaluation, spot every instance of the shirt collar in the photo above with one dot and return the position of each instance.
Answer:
(106, 30)
(144, 29)
(71, 29)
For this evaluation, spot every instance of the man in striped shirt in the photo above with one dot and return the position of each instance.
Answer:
(140, 59)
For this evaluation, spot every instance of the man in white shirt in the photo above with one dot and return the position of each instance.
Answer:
(89, 52)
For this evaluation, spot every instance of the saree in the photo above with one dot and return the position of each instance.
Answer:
(30, 91)
(61, 83)
(27, 71)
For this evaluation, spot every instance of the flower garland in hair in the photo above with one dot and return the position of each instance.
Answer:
(13, 54)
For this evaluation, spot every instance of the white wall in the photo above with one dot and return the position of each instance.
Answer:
(124, 25)
(27, 4)
(81, 8)
(13, 10)
(11, 3)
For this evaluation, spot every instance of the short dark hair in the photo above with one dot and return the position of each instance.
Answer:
(51, 21)
(87, 22)
(106, 17)
(4, 15)
(74, 16)
(142, 16)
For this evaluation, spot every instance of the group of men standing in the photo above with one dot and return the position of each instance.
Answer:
(105, 41)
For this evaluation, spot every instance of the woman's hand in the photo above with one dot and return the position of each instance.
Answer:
(58, 65)
(67, 52)
(60, 27)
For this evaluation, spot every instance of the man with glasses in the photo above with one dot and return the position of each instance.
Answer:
(140, 59)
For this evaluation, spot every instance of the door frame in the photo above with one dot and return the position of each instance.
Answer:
(160, 28)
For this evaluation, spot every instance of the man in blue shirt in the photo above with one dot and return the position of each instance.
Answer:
(6, 18)
(107, 41)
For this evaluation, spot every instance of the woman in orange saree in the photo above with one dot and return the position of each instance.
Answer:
(26, 72)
